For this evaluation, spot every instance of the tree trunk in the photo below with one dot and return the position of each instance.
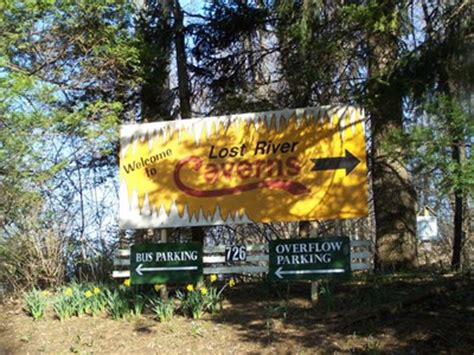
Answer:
(183, 85)
(458, 156)
(183, 80)
(154, 30)
(394, 196)
(458, 233)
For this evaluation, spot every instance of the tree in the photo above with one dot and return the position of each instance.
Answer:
(395, 222)
(439, 74)
(229, 58)
(154, 28)
(65, 73)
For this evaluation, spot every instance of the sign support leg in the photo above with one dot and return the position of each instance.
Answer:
(315, 292)
(164, 290)
(315, 287)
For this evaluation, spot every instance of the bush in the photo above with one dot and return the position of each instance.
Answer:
(33, 258)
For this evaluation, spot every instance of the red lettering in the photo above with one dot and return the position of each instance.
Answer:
(271, 163)
(258, 165)
(227, 169)
(244, 169)
(293, 166)
(212, 173)
(258, 169)
(195, 163)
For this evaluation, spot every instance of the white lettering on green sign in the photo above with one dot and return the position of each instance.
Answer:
(167, 256)
(306, 253)
(176, 255)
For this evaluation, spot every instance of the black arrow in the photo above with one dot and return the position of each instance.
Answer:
(348, 162)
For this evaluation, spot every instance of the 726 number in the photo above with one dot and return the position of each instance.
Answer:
(235, 253)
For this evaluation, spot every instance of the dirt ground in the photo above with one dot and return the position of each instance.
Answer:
(403, 315)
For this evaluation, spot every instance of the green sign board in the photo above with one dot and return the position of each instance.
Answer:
(309, 259)
(166, 263)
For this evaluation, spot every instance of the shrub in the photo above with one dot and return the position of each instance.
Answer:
(33, 258)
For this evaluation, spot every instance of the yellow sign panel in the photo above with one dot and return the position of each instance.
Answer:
(288, 165)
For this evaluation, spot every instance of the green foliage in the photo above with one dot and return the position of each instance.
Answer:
(192, 302)
(117, 303)
(81, 304)
(316, 63)
(231, 80)
(214, 299)
(208, 297)
(138, 302)
(214, 294)
(164, 309)
(373, 17)
(429, 145)
(80, 299)
(154, 45)
(63, 305)
(66, 69)
(36, 302)
(95, 299)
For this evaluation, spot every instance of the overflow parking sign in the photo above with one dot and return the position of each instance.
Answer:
(309, 259)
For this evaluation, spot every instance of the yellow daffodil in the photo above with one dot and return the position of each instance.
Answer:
(213, 278)
(203, 291)
(231, 282)
(45, 293)
(127, 282)
(190, 288)
(96, 290)
(68, 292)
(157, 287)
(88, 294)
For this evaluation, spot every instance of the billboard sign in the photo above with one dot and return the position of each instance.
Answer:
(287, 165)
